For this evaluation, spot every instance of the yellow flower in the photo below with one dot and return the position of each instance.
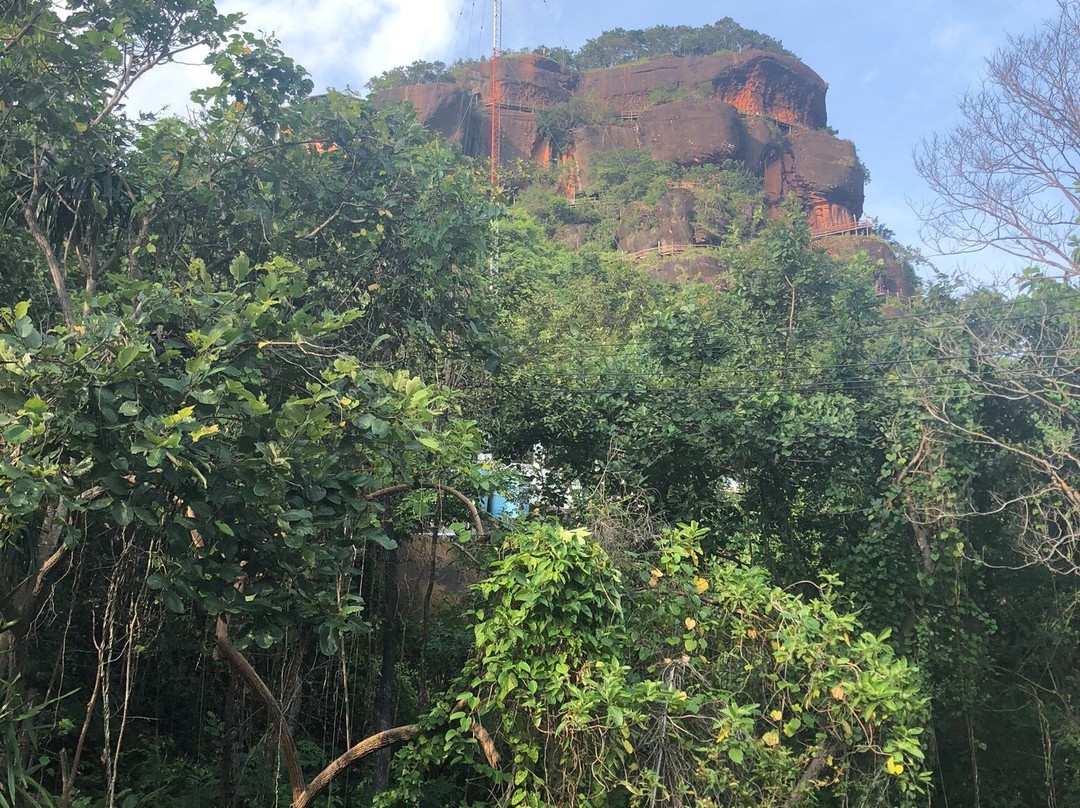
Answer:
(837, 693)
(752, 634)
(893, 766)
(690, 623)
(700, 584)
(776, 715)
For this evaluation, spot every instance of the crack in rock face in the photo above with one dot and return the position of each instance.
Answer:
(762, 109)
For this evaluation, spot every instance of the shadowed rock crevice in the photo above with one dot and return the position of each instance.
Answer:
(763, 110)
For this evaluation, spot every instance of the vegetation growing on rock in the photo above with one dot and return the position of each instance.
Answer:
(253, 366)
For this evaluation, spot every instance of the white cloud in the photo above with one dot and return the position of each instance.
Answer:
(347, 41)
(340, 42)
(169, 86)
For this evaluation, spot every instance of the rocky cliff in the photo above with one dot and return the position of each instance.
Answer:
(764, 110)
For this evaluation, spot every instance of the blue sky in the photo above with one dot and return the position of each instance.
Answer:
(894, 69)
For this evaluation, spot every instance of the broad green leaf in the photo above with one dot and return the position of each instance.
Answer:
(17, 434)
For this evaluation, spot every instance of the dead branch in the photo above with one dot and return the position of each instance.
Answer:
(464, 500)
(277, 718)
(1006, 176)
(56, 271)
(816, 765)
(487, 743)
(13, 41)
(304, 795)
(359, 751)
(68, 774)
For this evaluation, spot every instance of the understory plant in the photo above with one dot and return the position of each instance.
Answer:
(688, 681)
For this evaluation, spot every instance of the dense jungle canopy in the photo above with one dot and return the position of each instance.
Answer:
(789, 542)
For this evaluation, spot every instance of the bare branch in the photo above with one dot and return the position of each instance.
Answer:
(358, 752)
(464, 500)
(277, 718)
(56, 271)
(1007, 176)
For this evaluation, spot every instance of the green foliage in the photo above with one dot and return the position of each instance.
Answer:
(419, 72)
(556, 123)
(19, 722)
(689, 680)
(213, 336)
(626, 175)
(670, 92)
(619, 45)
(564, 56)
(222, 430)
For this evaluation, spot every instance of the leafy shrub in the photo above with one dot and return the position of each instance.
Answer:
(684, 678)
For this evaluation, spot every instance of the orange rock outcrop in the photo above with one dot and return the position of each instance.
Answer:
(761, 108)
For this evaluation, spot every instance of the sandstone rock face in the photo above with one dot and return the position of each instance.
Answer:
(823, 171)
(591, 140)
(761, 140)
(825, 165)
(669, 223)
(761, 108)
(774, 86)
(692, 130)
(526, 84)
(445, 108)
(520, 139)
(689, 269)
(530, 81)
(754, 82)
(891, 277)
(572, 235)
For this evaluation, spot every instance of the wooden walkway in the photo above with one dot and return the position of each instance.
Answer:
(863, 227)
(669, 249)
(509, 107)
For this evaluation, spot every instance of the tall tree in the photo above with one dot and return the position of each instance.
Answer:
(1007, 176)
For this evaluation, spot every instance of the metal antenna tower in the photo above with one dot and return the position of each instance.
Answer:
(496, 127)
(496, 116)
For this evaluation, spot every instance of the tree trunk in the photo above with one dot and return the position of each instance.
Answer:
(228, 742)
(384, 695)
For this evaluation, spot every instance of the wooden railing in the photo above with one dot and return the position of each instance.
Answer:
(864, 227)
(509, 107)
(669, 249)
